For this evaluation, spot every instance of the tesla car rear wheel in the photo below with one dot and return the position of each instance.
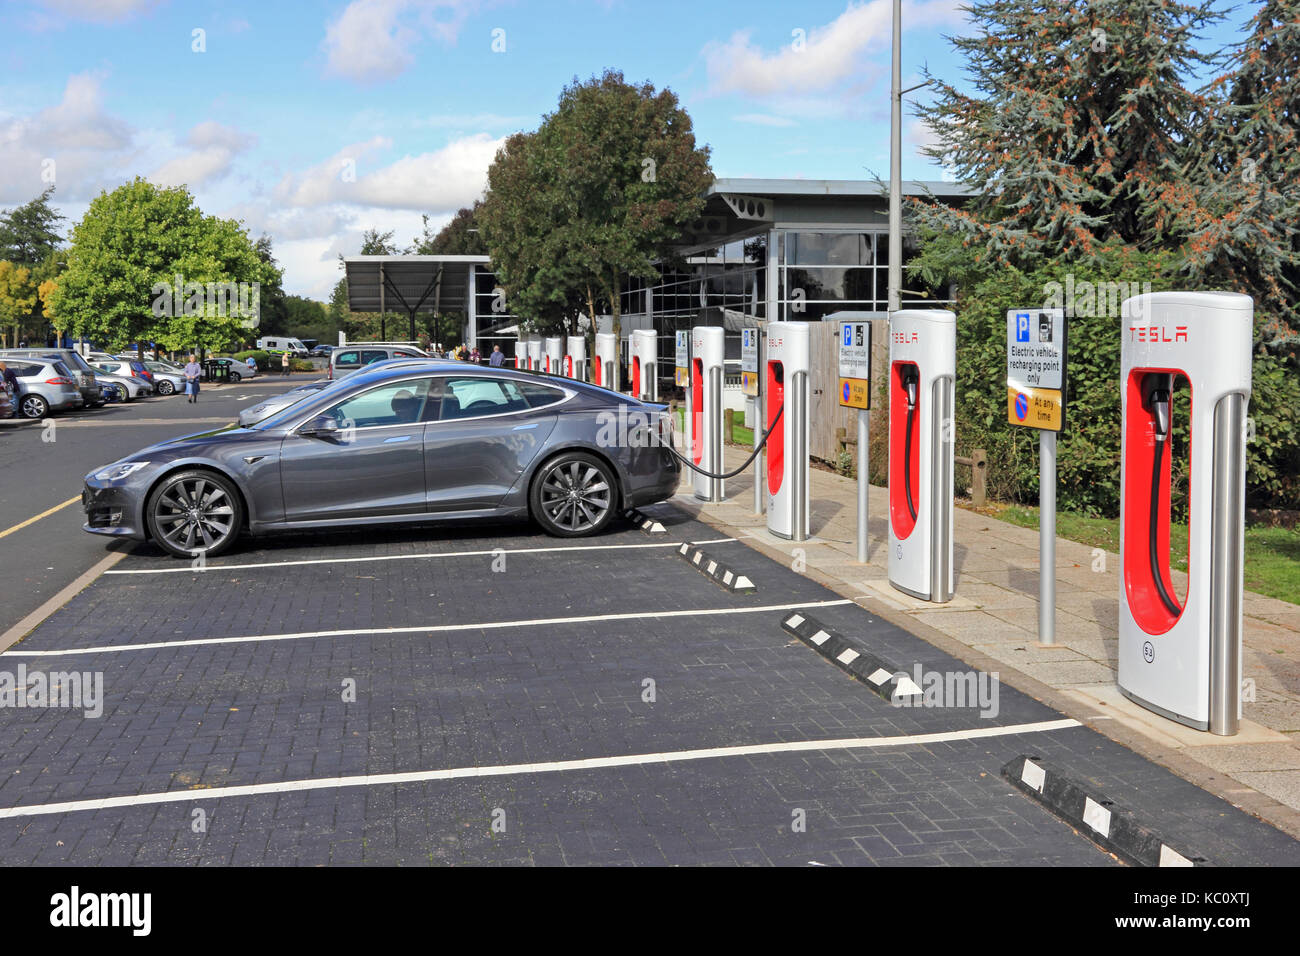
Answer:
(195, 513)
(236, 378)
(574, 494)
(165, 387)
(33, 406)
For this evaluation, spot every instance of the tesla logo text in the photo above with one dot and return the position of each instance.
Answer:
(904, 338)
(1157, 333)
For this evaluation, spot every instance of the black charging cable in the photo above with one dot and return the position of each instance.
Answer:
(1159, 402)
(909, 375)
(731, 474)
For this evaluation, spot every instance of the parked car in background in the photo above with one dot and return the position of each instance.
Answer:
(129, 386)
(45, 386)
(322, 351)
(268, 407)
(83, 375)
(239, 370)
(131, 368)
(353, 357)
(167, 380)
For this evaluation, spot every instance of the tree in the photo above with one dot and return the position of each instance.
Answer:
(599, 191)
(1239, 210)
(1080, 119)
(146, 263)
(459, 237)
(29, 233)
(274, 318)
(17, 297)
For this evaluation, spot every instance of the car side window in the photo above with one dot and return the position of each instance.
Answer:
(373, 355)
(348, 358)
(395, 403)
(472, 397)
(539, 395)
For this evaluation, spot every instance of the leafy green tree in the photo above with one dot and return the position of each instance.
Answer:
(146, 264)
(459, 237)
(601, 190)
(274, 318)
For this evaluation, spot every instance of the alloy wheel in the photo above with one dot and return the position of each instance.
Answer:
(576, 496)
(194, 514)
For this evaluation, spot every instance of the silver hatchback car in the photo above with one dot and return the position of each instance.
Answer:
(44, 386)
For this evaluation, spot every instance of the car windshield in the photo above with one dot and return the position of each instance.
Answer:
(289, 412)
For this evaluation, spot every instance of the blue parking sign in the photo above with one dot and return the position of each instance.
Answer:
(848, 334)
(1022, 326)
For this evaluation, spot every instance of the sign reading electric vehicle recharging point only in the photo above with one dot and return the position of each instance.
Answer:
(749, 362)
(1036, 368)
(855, 364)
(683, 362)
(1036, 356)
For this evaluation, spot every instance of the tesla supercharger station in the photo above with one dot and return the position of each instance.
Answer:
(521, 353)
(644, 348)
(535, 357)
(1185, 357)
(922, 370)
(553, 362)
(575, 358)
(604, 370)
(706, 410)
(785, 390)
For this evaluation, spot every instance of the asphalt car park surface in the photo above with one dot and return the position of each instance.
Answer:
(488, 694)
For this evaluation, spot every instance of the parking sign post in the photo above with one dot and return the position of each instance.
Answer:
(855, 392)
(1036, 355)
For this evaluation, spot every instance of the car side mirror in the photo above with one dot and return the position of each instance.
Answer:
(322, 426)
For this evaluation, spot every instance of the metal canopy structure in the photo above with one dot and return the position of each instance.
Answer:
(413, 284)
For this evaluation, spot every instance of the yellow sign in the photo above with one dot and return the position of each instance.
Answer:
(749, 383)
(683, 376)
(854, 393)
(1035, 408)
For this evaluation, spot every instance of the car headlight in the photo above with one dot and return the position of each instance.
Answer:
(120, 471)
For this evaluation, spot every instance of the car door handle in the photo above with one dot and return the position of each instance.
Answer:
(519, 428)
(390, 441)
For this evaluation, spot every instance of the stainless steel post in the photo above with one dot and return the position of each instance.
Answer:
(1046, 537)
(715, 453)
(941, 491)
(797, 462)
(1226, 544)
(864, 487)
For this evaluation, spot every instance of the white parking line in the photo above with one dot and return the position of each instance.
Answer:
(185, 568)
(426, 629)
(557, 766)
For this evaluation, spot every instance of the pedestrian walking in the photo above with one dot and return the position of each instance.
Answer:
(284, 363)
(192, 372)
(498, 357)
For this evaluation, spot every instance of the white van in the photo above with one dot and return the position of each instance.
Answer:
(284, 344)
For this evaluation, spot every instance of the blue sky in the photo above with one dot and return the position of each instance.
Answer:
(316, 121)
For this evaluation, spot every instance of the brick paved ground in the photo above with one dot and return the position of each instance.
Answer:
(192, 718)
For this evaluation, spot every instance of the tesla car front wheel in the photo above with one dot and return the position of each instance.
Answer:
(195, 513)
(574, 494)
(165, 387)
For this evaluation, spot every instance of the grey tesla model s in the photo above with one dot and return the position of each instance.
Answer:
(438, 442)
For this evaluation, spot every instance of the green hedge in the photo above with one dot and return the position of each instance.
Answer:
(1088, 475)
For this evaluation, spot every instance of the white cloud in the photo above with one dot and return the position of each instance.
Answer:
(823, 58)
(72, 145)
(445, 179)
(375, 40)
(764, 119)
(212, 153)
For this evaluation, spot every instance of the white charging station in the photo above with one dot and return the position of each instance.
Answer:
(1184, 357)
(785, 388)
(604, 370)
(575, 358)
(922, 371)
(644, 348)
(521, 353)
(553, 360)
(535, 352)
(707, 354)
